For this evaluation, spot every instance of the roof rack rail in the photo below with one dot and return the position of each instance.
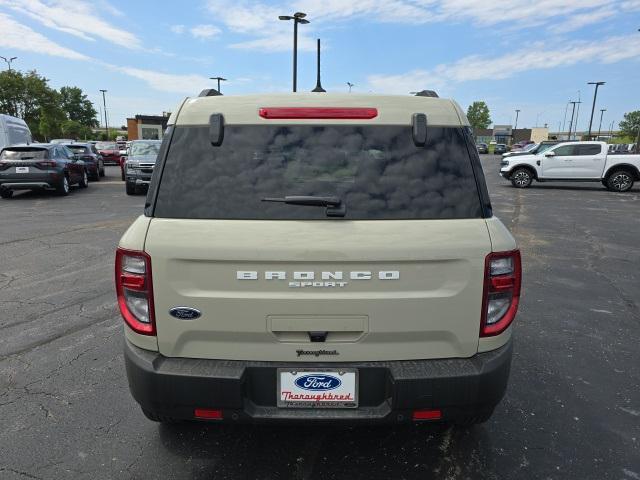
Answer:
(427, 93)
(209, 92)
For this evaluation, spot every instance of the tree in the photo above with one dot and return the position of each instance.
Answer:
(78, 107)
(478, 115)
(630, 125)
(28, 96)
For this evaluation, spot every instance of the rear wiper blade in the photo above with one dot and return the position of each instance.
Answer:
(309, 200)
(335, 207)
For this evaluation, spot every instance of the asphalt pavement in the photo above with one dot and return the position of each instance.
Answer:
(572, 409)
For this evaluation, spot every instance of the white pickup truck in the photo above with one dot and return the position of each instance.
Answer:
(574, 162)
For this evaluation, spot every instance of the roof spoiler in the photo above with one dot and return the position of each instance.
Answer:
(427, 93)
(419, 129)
(209, 92)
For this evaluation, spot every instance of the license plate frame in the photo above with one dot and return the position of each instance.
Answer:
(22, 169)
(349, 384)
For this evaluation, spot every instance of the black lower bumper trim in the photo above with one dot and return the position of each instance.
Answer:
(389, 391)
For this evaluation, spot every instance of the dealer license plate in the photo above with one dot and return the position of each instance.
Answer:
(22, 169)
(317, 389)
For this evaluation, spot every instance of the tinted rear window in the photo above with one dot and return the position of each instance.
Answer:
(377, 171)
(23, 154)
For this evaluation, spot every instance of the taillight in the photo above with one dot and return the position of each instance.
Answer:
(502, 279)
(47, 164)
(4, 165)
(135, 290)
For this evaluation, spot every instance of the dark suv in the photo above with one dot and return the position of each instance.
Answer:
(40, 166)
(90, 156)
(138, 167)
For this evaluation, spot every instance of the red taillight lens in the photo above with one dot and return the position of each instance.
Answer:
(135, 290)
(208, 414)
(345, 113)
(502, 280)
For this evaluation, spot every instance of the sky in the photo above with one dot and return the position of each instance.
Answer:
(534, 56)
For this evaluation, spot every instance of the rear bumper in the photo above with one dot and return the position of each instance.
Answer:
(30, 182)
(389, 391)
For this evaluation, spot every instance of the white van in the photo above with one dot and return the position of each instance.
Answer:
(13, 131)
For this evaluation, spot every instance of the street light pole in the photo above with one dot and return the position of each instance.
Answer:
(297, 18)
(565, 117)
(573, 111)
(104, 102)
(517, 113)
(9, 61)
(602, 110)
(219, 79)
(593, 107)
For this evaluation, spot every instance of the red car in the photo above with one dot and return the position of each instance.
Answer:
(110, 152)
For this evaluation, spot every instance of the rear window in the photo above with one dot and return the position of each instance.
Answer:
(376, 171)
(589, 150)
(78, 149)
(23, 154)
(106, 146)
(145, 148)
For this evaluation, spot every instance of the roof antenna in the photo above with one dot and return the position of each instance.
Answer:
(318, 85)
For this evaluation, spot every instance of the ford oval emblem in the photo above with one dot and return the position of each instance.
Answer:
(318, 383)
(184, 313)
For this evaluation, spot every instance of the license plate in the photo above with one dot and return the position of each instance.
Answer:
(317, 389)
(22, 169)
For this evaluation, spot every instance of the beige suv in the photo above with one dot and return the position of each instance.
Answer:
(315, 258)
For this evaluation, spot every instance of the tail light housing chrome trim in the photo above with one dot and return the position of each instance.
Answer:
(134, 287)
(501, 296)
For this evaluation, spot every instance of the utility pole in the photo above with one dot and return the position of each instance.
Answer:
(219, 79)
(602, 110)
(104, 102)
(297, 18)
(593, 107)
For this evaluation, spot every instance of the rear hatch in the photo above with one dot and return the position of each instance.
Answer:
(398, 276)
(23, 163)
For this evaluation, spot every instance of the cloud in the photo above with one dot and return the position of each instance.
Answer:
(179, 29)
(534, 57)
(205, 31)
(20, 37)
(75, 17)
(581, 20)
(261, 21)
(190, 84)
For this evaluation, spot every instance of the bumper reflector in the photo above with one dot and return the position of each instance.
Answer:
(427, 414)
(207, 413)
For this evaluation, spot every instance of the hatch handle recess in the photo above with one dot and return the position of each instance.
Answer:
(419, 123)
(216, 129)
(318, 337)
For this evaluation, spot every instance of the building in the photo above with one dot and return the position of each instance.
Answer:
(147, 127)
(507, 135)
